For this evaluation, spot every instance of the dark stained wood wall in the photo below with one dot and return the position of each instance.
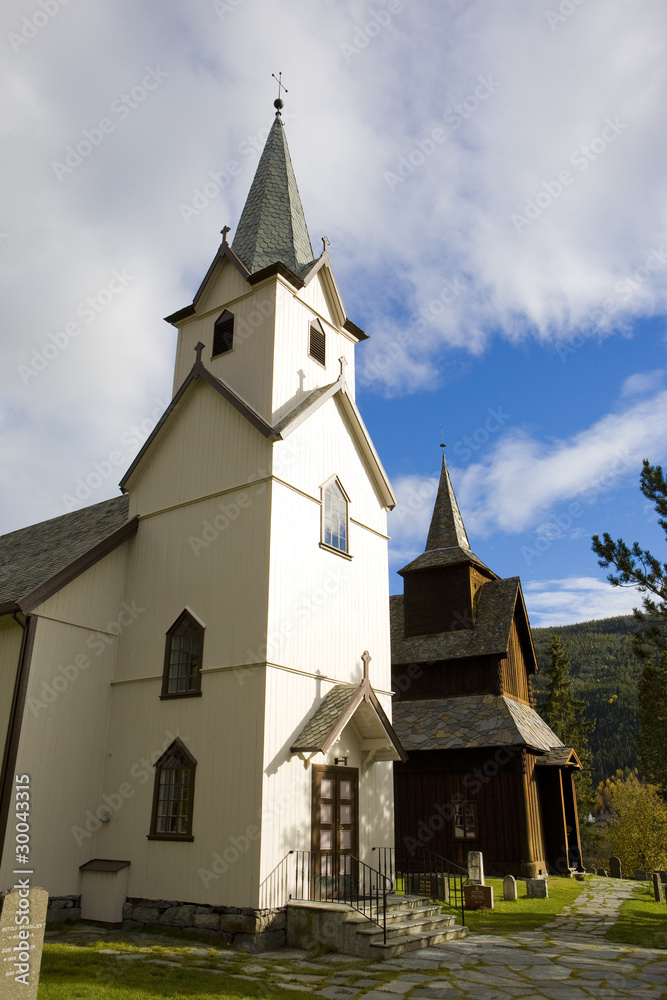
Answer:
(437, 600)
(431, 782)
(446, 679)
(514, 671)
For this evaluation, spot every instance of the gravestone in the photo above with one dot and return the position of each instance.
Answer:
(592, 870)
(478, 897)
(21, 944)
(641, 876)
(475, 868)
(663, 878)
(509, 887)
(537, 888)
(602, 872)
(615, 868)
(657, 888)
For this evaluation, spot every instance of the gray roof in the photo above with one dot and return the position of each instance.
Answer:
(447, 541)
(301, 407)
(30, 556)
(472, 721)
(272, 227)
(489, 636)
(329, 711)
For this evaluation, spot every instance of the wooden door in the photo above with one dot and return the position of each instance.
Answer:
(335, 831)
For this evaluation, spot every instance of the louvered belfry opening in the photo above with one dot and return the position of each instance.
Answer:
(317, 342)
(223, 333)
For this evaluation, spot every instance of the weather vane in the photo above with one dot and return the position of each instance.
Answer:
(279, 103)
(442, 435)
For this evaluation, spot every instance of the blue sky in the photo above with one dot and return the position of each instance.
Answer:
(491, 179)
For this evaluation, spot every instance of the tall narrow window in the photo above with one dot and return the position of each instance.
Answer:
(334, 516)
(183, 658)
(318, 342)
(173, 794)
(223, 333)
(465, 821)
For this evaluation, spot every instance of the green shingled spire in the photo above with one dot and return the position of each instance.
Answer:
(273, 227)
(447, 528)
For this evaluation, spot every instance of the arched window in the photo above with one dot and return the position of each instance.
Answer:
(173, 794)
(334, 516)
(223, 333)
(183, 658)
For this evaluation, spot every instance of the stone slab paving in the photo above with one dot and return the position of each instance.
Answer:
(567, 959)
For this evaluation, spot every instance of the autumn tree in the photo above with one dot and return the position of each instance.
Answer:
(637, 817)
(637, 567)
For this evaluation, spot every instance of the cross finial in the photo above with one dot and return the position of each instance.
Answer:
(199, 348)
(325, 243)
(224, 231)
(279, 103)
(366, 657)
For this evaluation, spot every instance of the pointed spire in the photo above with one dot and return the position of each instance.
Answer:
(447, 528)
(273, 227)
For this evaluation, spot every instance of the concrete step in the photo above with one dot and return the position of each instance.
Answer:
(411, 928)
(396, 914)
(399, 945)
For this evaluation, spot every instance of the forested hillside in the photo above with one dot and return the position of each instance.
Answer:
(605, 675)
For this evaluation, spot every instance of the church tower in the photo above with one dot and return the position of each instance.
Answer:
(244, 572)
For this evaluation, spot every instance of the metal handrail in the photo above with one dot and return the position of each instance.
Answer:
(322, 876)
(423, 870)
(342, 878)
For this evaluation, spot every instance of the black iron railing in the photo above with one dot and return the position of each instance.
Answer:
(424, 873)
(322, 876)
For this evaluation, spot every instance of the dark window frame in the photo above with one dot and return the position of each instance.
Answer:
(177, 747)
(469, 824)
(194, 691)
(223, 334)
(317, 344)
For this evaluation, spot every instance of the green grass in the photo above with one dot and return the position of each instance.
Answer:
(641, 921)
(73, 971)
(522, 914)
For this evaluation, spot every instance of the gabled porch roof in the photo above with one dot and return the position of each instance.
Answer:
(340, 706)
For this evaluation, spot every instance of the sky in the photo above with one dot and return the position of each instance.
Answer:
(491, 180)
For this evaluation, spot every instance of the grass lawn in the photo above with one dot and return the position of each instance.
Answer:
(522, 914)
(73, 971)
(641, 921)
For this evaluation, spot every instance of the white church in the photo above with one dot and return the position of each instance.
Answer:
(195, 675)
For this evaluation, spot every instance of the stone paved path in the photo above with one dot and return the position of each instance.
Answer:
(567, 959)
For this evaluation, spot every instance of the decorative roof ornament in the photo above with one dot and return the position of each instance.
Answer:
(279, 104)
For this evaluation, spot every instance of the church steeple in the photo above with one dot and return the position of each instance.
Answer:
(272, 227)
(447, 528)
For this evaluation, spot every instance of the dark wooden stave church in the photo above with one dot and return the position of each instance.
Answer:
(484, 771)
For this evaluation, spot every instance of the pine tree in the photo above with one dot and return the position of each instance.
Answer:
(564, 713)
(637, 567)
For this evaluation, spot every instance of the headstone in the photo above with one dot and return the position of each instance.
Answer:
(641, 876)
(509, 887)
(475, 868)
(537, 888)
(602, 872)
(663, 878)
(21, 943)
(657, 888)
(615, 868)
(478, 896)
(592, 870)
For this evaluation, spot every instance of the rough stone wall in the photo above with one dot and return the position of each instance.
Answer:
(245, 929)
(63, 909)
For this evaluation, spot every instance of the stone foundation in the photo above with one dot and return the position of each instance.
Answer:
(63, 909)
(242, 928)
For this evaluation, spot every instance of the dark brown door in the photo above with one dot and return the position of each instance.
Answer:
(335, 830)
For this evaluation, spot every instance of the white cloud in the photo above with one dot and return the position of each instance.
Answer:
(576, 599)
(522, 478)
(643, 383)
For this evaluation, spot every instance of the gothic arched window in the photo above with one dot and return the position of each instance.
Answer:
(183, 658)
(334, 516)
(173, 794)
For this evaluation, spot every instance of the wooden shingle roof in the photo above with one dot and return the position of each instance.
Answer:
(56, 550)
